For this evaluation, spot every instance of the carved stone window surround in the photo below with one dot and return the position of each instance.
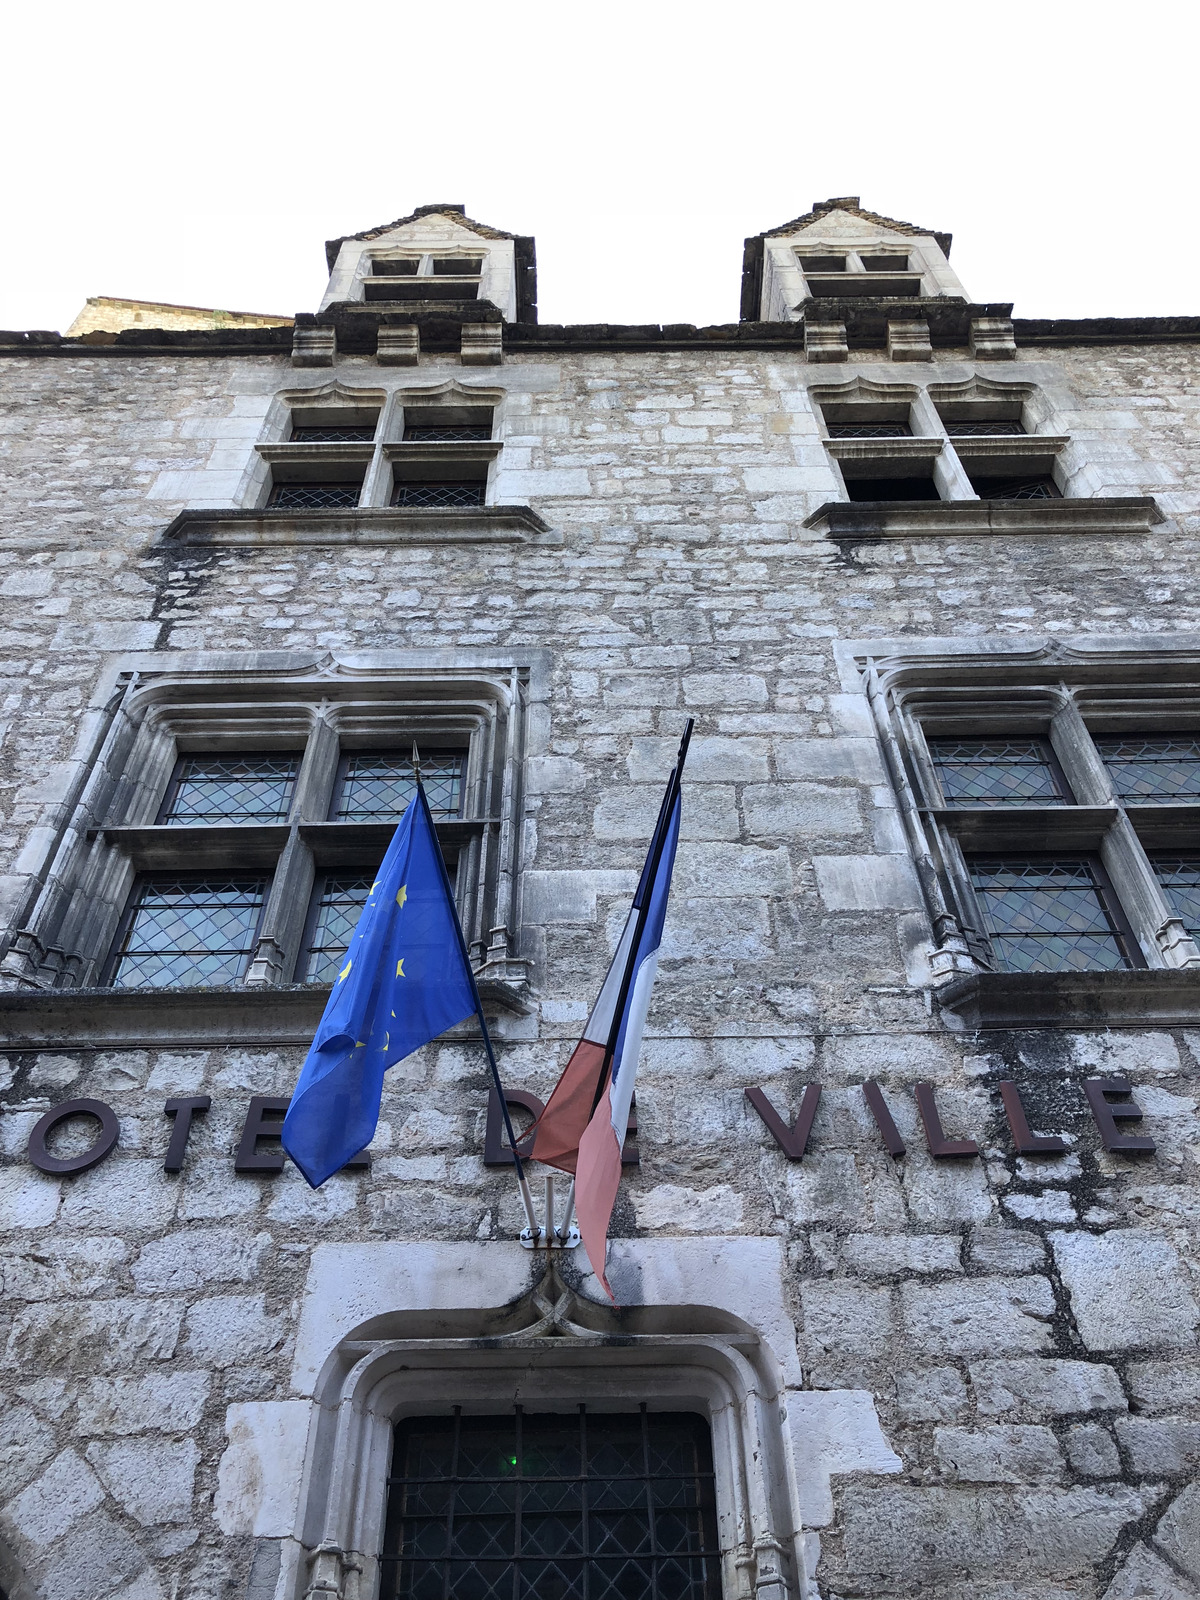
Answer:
(277, 452)
(1032, 453)
(992, 687)
(110, 831)
(549, 1352)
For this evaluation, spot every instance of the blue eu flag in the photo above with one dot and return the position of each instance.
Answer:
(405, 979)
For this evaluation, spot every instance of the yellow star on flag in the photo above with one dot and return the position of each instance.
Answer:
(400, 973)
(402, 895)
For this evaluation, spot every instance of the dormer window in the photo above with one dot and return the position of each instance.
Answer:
(880, 274)
(424, 277)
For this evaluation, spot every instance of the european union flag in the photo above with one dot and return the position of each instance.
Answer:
(405, 980)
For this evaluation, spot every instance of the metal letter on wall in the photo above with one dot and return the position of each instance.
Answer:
(873, 1095)
(264, 1120)
(1027, 1143)
(105, 1143)
(794, 1140)
(1107, 1115)
(496, 1153)
(182, 1111)
(935, 1137)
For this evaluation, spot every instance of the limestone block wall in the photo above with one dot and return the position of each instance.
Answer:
(1025, 1333)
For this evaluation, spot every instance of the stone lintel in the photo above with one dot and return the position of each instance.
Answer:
(110, 1019)
(1141, 999)
(910, 519)
(360, 525)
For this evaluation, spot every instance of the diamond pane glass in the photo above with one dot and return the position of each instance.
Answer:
(562, 1507)
(869, 430)
(1149, 772)
(438, 494)
(445, 432)
(997, 772)
(1016, 488)
(379, 784)
(190, 933)
(314, 496)
(341, 435)
(245, 788)
(983, 430)
(1181, 879)
(1047, 916)
(339, 903)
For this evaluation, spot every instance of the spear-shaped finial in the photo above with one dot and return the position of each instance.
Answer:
(416, 764)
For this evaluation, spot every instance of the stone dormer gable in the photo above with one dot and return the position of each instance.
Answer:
(436, 258)
(848, 206)
(839, 250)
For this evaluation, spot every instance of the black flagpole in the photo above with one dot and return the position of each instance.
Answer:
(522, 1181)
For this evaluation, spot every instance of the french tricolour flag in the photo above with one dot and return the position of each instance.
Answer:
(583, 1126)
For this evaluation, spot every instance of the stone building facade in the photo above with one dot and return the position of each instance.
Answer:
(925, 575)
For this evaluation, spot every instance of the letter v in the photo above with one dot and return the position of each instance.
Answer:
(792, 1141)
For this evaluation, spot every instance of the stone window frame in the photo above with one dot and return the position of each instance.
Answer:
(1036, 453)
(382, 458)
(568, 1351)
(1064, 692)
(105, 831)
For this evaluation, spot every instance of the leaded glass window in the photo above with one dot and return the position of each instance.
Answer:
(314, 496)
(186, 931)
(1049, 916)
(983, 430)
(869, 430)
(446, 432)
(1153, 771)
(1016, 488)
(438, 494)
(377, 784)
(552, 1507)
(336, 907)
(1180, 877)
(356, 433)
(231, 788)
(998, 772)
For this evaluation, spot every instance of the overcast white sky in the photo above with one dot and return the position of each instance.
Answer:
(203, 153)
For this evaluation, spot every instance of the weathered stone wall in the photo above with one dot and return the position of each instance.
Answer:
(1028, 1330)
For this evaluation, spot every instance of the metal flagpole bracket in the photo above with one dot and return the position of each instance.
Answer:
(554, 1233)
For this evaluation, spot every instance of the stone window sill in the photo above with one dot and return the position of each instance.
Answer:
(106, 1019)
(363, 525)
(1142, 999)
(910, 519)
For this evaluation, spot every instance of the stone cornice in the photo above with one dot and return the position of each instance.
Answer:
(926, 519)
(91, 1019)
(1143, 999)
(363, 525)
(866, 329)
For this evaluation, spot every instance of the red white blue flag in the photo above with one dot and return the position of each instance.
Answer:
(583, 1126)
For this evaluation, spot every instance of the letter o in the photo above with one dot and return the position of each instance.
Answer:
(104, 1115)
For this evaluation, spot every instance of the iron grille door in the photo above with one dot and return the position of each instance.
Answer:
(552, 1507)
